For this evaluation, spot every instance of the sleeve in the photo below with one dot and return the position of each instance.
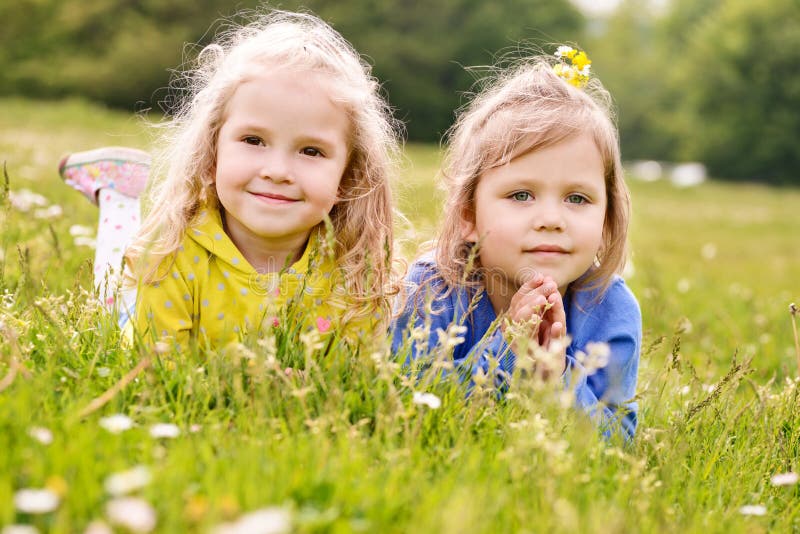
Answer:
(433, 318)
(607, 394)
(164, 310)
(423, 313)
(492, 354)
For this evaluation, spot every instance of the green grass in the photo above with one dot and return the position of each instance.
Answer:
(339, 444)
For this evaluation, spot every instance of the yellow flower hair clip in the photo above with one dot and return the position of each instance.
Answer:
(574, 65)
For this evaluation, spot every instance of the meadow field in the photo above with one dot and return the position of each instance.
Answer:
(99, 438)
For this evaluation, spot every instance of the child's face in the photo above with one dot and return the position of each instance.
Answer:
(541, 212)
(281, 152)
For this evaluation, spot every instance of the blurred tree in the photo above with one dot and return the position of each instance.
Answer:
(740, 83)
(119, 51)
(627, 57)
(109, 50)
(420, 49)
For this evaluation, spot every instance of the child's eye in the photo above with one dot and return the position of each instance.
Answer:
(252, 140)
(575, 198)
(522, 196)
(311, 151)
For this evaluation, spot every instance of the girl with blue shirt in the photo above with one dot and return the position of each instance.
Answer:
(533, 239)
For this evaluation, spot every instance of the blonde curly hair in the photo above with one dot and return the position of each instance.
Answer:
(185, 168)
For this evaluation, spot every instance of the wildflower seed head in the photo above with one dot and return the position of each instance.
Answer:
(36, 501)
(125, 482)
(116, 423)
(784, 479)
(753, 509)
(427, 399)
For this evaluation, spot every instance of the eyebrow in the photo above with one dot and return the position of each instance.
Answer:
(526, 179)
(305, 138)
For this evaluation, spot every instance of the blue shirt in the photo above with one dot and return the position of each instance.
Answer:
(613, 318)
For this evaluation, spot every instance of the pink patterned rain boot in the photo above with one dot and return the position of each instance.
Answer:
(121, 168)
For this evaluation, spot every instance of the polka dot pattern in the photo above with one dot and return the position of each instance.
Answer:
(218, 300)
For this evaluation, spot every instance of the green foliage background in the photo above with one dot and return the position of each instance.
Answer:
(705, 80)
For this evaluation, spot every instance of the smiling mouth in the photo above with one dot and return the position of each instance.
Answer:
(273, 198)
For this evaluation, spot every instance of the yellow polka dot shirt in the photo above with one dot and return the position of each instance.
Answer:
(213, 295)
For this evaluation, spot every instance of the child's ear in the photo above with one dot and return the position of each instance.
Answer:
(469, 232)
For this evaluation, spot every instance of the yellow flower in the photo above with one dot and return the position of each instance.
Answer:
(576, 71)
(580, 60)
(57, 485)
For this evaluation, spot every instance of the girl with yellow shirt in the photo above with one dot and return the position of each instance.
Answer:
(274, 203)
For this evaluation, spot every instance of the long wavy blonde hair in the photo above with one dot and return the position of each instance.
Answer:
(184, 170)
(520, 109)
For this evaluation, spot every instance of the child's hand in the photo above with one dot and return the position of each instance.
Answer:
(539, 303)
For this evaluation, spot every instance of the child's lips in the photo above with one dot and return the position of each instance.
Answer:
(548, 250)
(273, 198)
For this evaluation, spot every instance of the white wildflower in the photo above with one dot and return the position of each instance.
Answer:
(36, 501)
(165, 430)
(684, 285)
(116, 423)
(24, 200)
(709, 388)
(271, 520)
(784, 479)
(82, 241)
(77, 230)
(125, 482)
(50, 212)
(753, 509)
(685, 390)
(98, 527)
(427, 399)
(132, 513)
(563, 50)
(709, 251)
(41, 434)
(19, 529)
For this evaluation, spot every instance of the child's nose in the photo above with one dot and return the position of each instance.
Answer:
(548, 215)
(276, 166)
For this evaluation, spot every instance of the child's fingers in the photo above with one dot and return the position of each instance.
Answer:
(548, 335)
(557, 330)
(549, 286)
(556, 311)
(526, 289)
(528, 307)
